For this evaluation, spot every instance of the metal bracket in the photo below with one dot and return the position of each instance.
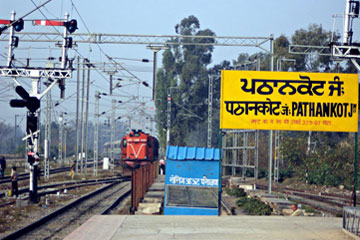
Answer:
(31, 135)
(307, 49)
(35, 73)
(344, 51)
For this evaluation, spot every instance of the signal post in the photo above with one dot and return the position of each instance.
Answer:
(32, 101)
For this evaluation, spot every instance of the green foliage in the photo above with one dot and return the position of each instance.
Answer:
(237, 192)
(293, 149)
(308, 209)
(254, 206)
(329, 161)
(314, 35)
(184, 76)
(262, 173)
(323, 175)
(285, 173)
(7, 143)
(242, 201)
(250, 206)
(249, 173)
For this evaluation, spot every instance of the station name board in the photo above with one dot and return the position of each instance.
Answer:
(298, 101)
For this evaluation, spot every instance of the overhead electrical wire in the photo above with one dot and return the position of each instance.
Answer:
(122, 68)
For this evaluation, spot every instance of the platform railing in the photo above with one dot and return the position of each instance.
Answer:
(351, 220)
(141, 180)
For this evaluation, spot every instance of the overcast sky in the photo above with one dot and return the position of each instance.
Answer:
(252, 18)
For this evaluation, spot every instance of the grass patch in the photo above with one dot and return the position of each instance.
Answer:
(309, 209)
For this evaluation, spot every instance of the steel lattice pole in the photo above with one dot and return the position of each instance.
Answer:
(112, 136)
(210, 103)
(87, 116)
(96, 133)
(60, 155)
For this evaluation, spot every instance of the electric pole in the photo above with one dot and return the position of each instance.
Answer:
(210, 103)
(112, 136)
(82, 117)
(47, 135)
(11, 42)
(155, 50)
(87, 114)
(65, 134)
(168, 118)
(60, 154)
(271, 131)
(77, 116)
(96, 133)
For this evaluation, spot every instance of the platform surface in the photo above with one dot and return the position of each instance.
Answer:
(208, 227)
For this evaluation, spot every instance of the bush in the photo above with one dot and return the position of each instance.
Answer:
(253, 206)
(237, 192)
(242, 201)
(309, 209)
(262, 173)
(249, 173)
(323, 175)
(287, 173)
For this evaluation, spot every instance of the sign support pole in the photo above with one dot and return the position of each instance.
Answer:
(355, 167)
(271, 131)
(220, 171)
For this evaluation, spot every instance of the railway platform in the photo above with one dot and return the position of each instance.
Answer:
(209, 227)
(152, 202)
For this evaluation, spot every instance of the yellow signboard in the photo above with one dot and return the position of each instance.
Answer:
(298, 101)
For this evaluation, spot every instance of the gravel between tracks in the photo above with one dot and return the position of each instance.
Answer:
(13, 217)
(66, 222)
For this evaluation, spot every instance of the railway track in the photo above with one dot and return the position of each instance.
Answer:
(61, 222)
(59, 187)
(25, 175)
(323, 202)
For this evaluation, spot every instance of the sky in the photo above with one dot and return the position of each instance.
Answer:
(250, 18)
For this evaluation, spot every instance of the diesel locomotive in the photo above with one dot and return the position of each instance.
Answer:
(138, 148)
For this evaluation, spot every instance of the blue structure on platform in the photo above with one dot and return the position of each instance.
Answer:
(191, 181)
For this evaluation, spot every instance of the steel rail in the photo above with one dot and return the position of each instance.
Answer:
(25, 176)
(116, 202)
(305, 198)
(21, 232)
(84, 183)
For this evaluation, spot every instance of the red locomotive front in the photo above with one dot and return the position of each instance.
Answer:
(138, 148)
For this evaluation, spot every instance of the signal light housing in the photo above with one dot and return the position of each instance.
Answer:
(71, 25)
(31, 127)
(19, 25)
(31, 123)
(31, 159)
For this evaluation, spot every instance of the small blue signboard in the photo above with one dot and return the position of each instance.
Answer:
(191, 181)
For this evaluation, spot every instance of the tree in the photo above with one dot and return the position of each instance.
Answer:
(7, 143)
(185, 76)
(315, 35)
